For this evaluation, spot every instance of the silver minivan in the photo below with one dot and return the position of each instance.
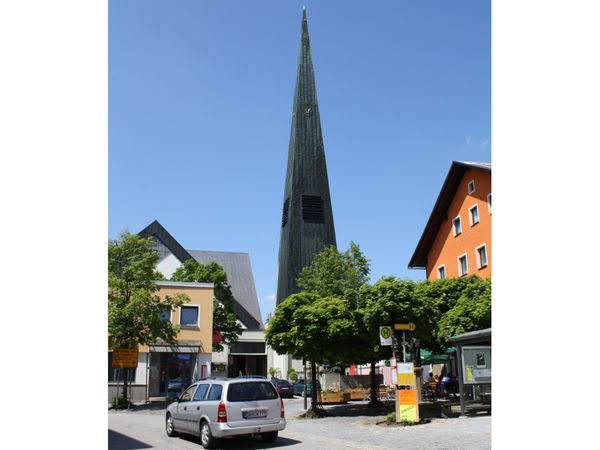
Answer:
(227, 407)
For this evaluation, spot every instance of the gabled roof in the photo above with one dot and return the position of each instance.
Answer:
(236, 265)
(156, 229)
(440, 209)
(241, 279)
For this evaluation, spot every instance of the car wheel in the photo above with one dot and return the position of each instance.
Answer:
(170, 427)
(208, 441)
(269, 437)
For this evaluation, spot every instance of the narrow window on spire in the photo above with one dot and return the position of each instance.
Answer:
(312, 209)
(286, 207)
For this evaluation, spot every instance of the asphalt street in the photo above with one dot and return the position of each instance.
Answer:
(143, 429)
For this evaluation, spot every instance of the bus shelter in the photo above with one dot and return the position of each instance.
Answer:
(474, 364)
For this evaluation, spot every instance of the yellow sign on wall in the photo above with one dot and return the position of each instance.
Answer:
(125, 358)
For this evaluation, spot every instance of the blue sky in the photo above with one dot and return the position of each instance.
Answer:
(200, 100)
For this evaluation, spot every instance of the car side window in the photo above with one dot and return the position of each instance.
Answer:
(201, 392)
(215, 392)
(187, 395)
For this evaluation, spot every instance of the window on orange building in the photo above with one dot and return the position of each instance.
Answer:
(481, 255)
(463, 268)
(471, 187)
(456, 226)
(474, 214)
(489, 200)
(441, 272)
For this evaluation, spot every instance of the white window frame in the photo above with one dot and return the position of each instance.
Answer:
(443, 266)
(489, 202)
(460, 273)
(197, 320)
(471, 214)
(469, 191)
(454, 225)
(477, 257)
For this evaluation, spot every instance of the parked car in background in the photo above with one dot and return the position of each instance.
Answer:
(283, 387)
(299, 388)
(225, 408)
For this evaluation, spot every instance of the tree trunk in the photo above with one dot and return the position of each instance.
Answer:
(313, 382)
(374, 388)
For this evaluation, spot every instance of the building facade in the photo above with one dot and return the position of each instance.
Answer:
(163, 369)
(457, 240)
(249, 355)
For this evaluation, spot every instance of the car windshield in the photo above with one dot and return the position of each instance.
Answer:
(242, 392)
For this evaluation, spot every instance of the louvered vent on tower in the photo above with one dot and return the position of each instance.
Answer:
(312, 209)
(286, 208)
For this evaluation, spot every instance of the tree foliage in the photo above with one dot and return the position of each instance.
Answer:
(225, 321)
(472, 311)
(134, 308)
(335, 274)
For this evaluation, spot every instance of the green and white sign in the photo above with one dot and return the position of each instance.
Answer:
(385, 335)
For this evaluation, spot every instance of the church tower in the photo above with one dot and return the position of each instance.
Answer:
(307, 220)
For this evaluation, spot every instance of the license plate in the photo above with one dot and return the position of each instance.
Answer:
(254, 414)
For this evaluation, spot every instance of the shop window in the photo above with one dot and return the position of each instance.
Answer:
(189, 316)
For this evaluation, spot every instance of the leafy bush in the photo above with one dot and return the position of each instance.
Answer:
(291, 374)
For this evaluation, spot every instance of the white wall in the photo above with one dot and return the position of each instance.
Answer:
(168, 265)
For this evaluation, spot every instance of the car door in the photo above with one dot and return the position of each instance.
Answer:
(180, 412)
(194, 410)
(211, 405)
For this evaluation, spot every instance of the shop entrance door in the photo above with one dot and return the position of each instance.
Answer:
(176, 373)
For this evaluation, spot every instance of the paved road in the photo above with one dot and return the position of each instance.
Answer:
(129, 430)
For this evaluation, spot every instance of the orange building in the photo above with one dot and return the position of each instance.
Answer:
(457, 240)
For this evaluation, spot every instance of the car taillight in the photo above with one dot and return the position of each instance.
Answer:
(282, 411)
(222, 414)
(278, 388)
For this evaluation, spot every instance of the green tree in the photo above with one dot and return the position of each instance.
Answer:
(472, 311)
(291, 374)
(225, 321)
(305, 326)
(134, 308)
(335, 274)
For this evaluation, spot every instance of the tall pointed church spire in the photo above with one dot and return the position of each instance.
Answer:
(307, 220)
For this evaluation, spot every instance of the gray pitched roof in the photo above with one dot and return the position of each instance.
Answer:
(241, 279)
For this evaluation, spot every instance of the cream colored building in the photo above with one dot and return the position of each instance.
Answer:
(164, 369)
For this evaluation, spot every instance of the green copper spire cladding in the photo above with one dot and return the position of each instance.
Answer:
(307, 219)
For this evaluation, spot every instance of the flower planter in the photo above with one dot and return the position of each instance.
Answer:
(333, 397)
(356, 394)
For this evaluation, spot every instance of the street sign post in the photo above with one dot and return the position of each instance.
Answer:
(404, 326)
(385, 335)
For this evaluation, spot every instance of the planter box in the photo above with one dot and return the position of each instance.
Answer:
(356, 394)
(333, 397)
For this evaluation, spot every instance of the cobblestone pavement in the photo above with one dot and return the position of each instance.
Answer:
(144, 428)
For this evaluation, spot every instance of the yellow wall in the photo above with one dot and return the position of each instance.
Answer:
(202, 296)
